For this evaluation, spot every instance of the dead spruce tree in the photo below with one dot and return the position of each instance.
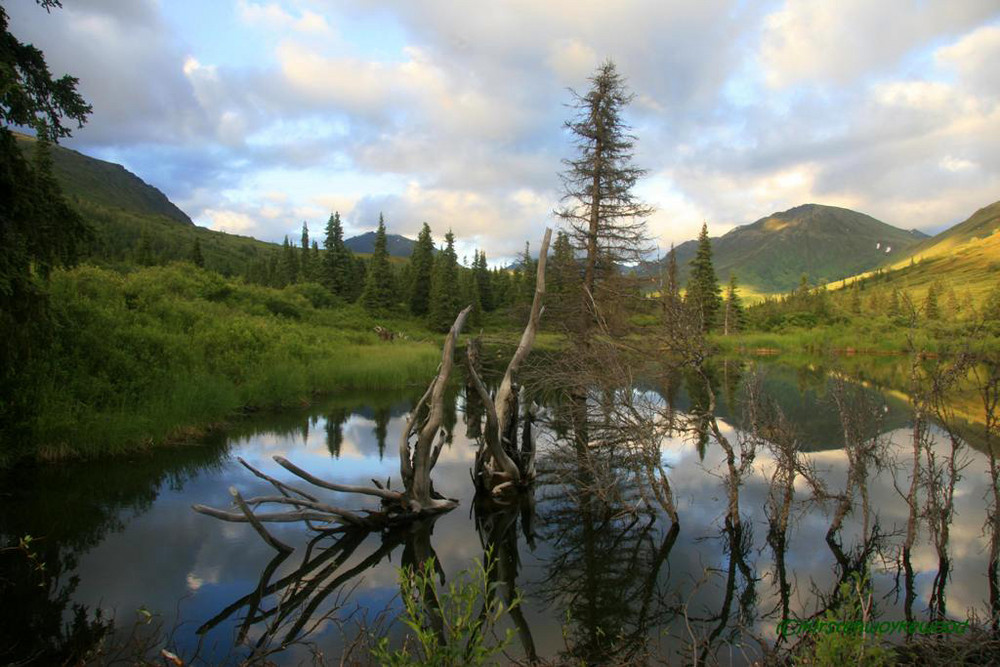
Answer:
(503, 462)
(417, 499)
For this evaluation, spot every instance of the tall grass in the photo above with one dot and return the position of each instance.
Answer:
(141, 359)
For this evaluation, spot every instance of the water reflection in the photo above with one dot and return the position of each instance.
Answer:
(682, 517)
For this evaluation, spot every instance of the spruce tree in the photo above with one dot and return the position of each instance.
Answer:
(606, 219)
(196, 257)
(421, 271)
(931, 309)
(304, 258)
(445, 301)
(338, 263)
(484, 281)
(733, 313)
(377, 296)
(529, 277)
(289, 263)
(703, 293)
(470, 296)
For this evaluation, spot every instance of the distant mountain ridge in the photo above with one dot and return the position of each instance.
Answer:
(106, 183)
(364, 244)
(826, 243)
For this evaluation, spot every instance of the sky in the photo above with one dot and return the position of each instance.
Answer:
(255, 116)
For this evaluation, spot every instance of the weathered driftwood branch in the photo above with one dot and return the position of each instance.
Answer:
(417, 498)
(496, 467)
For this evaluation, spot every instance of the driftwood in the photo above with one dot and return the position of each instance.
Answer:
(417, 499)
(500, 463)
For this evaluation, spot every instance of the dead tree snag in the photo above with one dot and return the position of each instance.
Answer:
(417, 499)
(501, 462)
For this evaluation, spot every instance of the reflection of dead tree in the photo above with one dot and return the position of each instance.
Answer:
(987, 380)
(941, 477)
(867, 450)
(502, 462)
(290, 609)
(497, 528)
(417, 498)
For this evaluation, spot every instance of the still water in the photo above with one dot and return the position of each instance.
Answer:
(599, 578)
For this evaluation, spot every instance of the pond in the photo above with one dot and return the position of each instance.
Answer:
(600, 576)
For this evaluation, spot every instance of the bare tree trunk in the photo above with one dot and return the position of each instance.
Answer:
(415, 464)
(496, 468)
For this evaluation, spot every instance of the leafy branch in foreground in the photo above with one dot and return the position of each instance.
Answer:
(448, 628)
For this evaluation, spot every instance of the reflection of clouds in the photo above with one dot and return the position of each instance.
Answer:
(169, 552)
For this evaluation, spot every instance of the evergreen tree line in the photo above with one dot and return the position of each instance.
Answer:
(432, 285)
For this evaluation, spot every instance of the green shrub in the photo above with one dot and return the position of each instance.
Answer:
(451, 628)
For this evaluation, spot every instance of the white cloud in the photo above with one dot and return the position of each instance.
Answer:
(273, 16)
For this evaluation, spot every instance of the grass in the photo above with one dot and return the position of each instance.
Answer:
(162, 353)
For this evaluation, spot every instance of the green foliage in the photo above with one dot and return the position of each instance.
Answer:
(703, 293)
(338, 263)
(137, 357)
(378, 296)
(38, 229)
(445, 299)
(931, 309)
(197, 258)
(734, 317)
(484, 281)
(421, 271)
(855, 605)
(452, 628)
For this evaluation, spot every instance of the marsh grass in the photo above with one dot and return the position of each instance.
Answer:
(164, 353)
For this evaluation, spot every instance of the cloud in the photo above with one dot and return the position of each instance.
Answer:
(835, 43)
(273, 16)
(452, 113)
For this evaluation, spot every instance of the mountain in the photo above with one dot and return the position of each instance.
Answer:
(124, 211)
(826, 243)
(106, 183)
(364, 244)
(965, 257)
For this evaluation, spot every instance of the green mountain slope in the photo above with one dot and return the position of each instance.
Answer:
(136, 223)
(824, 242)
(106, 183)
(965, 258)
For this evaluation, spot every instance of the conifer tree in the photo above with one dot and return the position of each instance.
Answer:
(931, 309)
(470, 296)
(528, 275)
(196, 257)
(338, 263)
(421, 272)
(304, 258)
(289, 263)
(444, 299)
(484, 282)
(991, 307)
(377, 296)
(893, 308)
(703, 293)
(733, 313)
(606, 219)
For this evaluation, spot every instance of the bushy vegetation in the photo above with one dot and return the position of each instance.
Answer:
(139, 356)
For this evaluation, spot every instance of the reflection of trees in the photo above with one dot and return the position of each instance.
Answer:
(38, 622)
(335, 419)
(987, 381)
(604, 572)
